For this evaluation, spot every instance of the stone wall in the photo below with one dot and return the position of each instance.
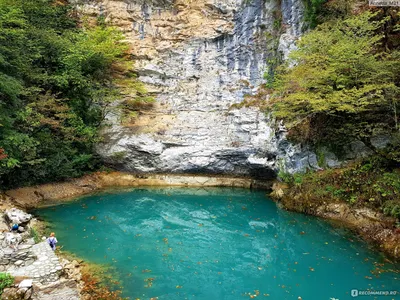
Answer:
(37, 271)
(199, 58)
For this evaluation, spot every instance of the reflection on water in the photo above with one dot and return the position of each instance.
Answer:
(219, 243)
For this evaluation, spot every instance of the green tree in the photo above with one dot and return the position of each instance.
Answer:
(56, 77)
(340, 79)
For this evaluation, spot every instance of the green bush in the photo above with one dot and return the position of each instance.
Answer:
(6, 280)
(57, 78)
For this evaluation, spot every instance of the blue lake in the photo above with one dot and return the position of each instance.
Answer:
(217, 243)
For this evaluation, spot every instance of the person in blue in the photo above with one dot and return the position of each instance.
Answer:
(52, 240)
(14, 227)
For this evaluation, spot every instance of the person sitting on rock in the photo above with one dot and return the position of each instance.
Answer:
(52, 240)
(14, 227)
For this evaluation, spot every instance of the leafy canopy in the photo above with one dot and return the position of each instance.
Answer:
(339, 77)
(56, 77)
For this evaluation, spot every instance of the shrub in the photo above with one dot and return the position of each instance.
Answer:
(6, 280)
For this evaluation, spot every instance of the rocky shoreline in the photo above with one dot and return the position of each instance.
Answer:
(373, 226)
(34, 196)
(38, 272)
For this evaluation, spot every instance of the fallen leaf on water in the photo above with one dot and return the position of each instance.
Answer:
(201, 224)
(312, 269)
(149, 279)
(179, 286)
(302, 232)
(146, 271)
(165, 240)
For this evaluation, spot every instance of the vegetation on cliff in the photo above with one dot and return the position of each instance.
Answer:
(343, 84)
(56, 78)
(372, 183)
(343, 81)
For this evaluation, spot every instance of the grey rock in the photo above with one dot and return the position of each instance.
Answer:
(356, 149)
(17, 216)
(24, 247)
(19, 262)
(380, 141)
(196, 129)
(12, 239)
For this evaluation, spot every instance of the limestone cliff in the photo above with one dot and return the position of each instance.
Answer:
(200, 57)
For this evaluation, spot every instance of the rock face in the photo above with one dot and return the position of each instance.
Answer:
(200, 58)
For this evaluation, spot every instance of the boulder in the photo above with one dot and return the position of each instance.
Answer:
(26, 283)
(13, 294)
(17, 216)
(28, 294)
(12, 239)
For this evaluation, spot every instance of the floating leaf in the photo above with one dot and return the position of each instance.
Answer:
(146, 271)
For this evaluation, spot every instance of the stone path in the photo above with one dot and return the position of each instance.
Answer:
(45, 269)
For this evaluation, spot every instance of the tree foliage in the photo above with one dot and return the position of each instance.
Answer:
(56, 75)
(343, 81)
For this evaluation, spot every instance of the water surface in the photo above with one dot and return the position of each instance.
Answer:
(221, 243)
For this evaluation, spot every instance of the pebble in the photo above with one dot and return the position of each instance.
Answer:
(19, 262)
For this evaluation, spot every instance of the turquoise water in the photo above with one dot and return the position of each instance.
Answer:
(217, 243)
